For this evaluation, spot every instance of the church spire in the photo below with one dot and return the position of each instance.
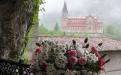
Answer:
(65, 10)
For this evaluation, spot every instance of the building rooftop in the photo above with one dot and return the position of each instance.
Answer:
(108, 43)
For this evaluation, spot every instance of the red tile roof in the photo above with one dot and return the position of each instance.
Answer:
(108, 43)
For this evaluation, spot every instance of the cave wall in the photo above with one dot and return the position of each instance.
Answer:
(15, 22)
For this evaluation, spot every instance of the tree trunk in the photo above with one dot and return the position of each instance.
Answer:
(15, 21)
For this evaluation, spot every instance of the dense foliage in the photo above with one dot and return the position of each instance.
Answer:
(109, 31)
(55, 32)
(35, 19)
(113, 32)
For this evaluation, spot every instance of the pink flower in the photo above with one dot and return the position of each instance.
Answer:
(98, 54)
(101, 63)
(102, 68)
(82, 60)
(94, 50)
(73, 60)
(38, 50)
(72, 53)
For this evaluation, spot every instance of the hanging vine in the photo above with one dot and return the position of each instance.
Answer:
(35, 10)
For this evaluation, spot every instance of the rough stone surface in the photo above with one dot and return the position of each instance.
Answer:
(114, 66)
(15, 21)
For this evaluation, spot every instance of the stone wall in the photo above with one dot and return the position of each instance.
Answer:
(114, 66)
(15, 20)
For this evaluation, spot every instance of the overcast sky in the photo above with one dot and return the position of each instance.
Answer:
(108, 11)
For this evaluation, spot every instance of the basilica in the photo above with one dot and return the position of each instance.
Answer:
(87, 24)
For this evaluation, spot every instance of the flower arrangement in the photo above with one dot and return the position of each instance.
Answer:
(54, 58)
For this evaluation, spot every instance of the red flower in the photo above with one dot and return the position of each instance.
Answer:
(94, 50)
(73, 60)
(82, 60)
(72, 53)
(101, 63)
(44, 66)
(38, 50)
(98, 54)
(69, 66)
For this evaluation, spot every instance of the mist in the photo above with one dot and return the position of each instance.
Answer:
(108, 11)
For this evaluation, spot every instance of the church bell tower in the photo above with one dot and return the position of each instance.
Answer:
(65, 11)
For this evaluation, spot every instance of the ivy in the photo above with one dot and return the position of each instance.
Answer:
(34, 20)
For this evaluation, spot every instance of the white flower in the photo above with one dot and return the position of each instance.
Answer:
(93, 57)
(80, 51)
(60, 60)
(50, 69)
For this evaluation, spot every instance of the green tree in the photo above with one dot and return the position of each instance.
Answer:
(43, 30)
(113, 31)
(56, 28)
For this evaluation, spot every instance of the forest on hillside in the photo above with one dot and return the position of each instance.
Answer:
(109, 31)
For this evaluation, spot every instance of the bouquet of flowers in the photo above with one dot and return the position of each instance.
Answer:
(54, 58)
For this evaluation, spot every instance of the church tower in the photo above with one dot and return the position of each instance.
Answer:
(65, 10)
